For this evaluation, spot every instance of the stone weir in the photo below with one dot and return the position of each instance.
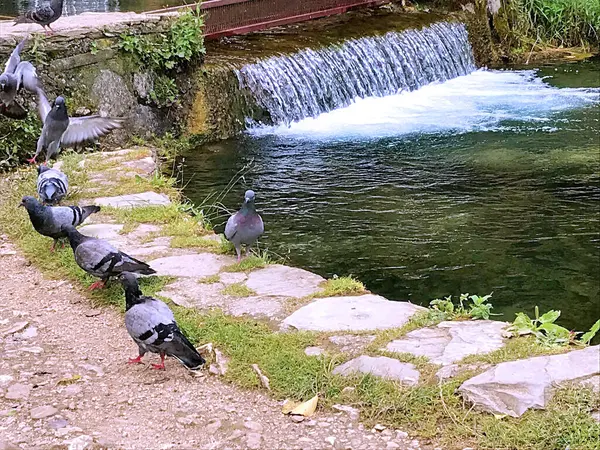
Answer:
(82, 62)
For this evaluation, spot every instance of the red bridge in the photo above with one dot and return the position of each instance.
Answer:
(229, 17)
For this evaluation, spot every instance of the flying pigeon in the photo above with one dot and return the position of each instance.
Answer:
(99, 258)
(43, 15)
(152, 326)
(60, 130)
(17, 74)
(49, 220)
(52, 185)
(245, 226)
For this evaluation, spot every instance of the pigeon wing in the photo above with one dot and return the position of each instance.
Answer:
(231, 227)
(15, 58)
(97, 257)
(27, 77)
(90, 128)
(43, 105)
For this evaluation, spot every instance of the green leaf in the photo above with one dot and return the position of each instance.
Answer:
(555, 330)
(587, 337)
(550, 316)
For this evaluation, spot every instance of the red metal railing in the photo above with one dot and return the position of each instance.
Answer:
(228, 17)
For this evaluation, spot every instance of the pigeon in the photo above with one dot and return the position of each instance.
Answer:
(52, 185)
(152, 326)
(50, 220)
(17, 74)
(99, 258)
(43, 15)
(245, 226)
(60, 130)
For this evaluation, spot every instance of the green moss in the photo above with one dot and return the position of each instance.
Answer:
(342, 286)
(249, 263)
(210, 279)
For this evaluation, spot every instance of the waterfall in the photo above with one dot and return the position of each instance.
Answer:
(314, 81)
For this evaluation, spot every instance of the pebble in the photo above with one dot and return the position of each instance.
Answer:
(15, 328)
(18, 391)
(80, 442)
(43, 411)
(73, 390)
(254, 426)
(401, 434)
(5, 445)
(253, 441)
(379, 427)
(5, 379)
(330, 440)
(57, 423)
(311, 423)
(213, 426)
(392, 444)
(297, 418)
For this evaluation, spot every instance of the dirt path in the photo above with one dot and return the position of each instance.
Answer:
(115, 405)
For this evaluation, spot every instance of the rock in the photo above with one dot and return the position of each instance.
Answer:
(28, 333)
(592, 382)
(349, 343)
(392, 444)
(92, 368)
(513, 387)
(132, 200)
(106, 231)
(57, 423)
(380, 366)
(42, 412)
(348, 390)
(72, 390)
(400, 435)
(145, 165)
(254, 441)
(232, 277)
(221, 361)
(284, 281)
(195, 265)
(363, 312)
(213, 426)
(143, 84)
(5, 380)
(33, 349)
(254, 426)
(330, 440)
(18, 391)
(81, 442)
(297, 418)
(5, 445)
(111, 94)
(352, 412)
(449, 342)
(15, 328)
(596, 416)
(313, 351)
(379, 427)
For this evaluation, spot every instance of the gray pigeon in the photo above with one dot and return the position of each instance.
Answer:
(245, 226)
(17, 74)
(100, 259)
(152, 326)
(61, 131)
(52, 185)
(43, 15)
(49, 220)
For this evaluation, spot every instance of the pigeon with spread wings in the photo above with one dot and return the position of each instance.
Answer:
(17, 75)
(60, 130)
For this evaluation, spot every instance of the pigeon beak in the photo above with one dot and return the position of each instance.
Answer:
(21, 204)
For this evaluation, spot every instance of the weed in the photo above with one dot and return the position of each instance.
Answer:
(337, 286)
(211, 279)
(249, 263)
(237, 290)
(17, 139)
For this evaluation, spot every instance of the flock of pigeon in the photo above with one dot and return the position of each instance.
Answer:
(149, 321)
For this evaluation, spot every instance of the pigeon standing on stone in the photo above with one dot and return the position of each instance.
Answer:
(17, 74)
(52, 185)
(43, 15)
(50, 220)
(152, 326)
(100, 259)
(61, 131)
(245, 226)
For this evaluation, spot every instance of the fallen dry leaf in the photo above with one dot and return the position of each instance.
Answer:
(67, 381)
(263, 379)
(305, 409)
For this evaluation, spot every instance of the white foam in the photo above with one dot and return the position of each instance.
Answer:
(485, 100)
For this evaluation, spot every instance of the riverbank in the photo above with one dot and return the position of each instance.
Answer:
(309, 335)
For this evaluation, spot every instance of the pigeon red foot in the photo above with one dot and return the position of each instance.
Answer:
(160, 366)
(137, 360)
(97, 285)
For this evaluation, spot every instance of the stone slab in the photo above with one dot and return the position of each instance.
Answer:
(196, 265)
(284, 281)
(513, 387)
(357, 313)
(106, 231)
(380, 366)
(133, 200)
(449, 342)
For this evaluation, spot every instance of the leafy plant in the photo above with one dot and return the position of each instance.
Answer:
(480, 309)
(167, 53)
(587, 337)
(445, 309)
(17, 139)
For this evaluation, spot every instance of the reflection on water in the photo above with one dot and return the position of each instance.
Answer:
(499, 193)
(71, 7)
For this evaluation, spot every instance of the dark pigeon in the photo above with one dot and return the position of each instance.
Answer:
(52, 185)
(245, 226)
(49, 221)
(152, 326)
(61, 131)
(102, 260)
(43, 15)
(17, 75)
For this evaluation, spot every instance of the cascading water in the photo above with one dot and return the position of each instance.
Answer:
(311, 82)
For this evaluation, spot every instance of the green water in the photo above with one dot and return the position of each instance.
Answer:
(488, 183)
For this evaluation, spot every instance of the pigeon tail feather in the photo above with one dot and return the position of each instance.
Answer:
(182, 349)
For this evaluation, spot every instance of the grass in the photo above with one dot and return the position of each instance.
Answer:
(211, 279)
(342, 286)
(250, 263)
(428, 410)
(237, 290)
